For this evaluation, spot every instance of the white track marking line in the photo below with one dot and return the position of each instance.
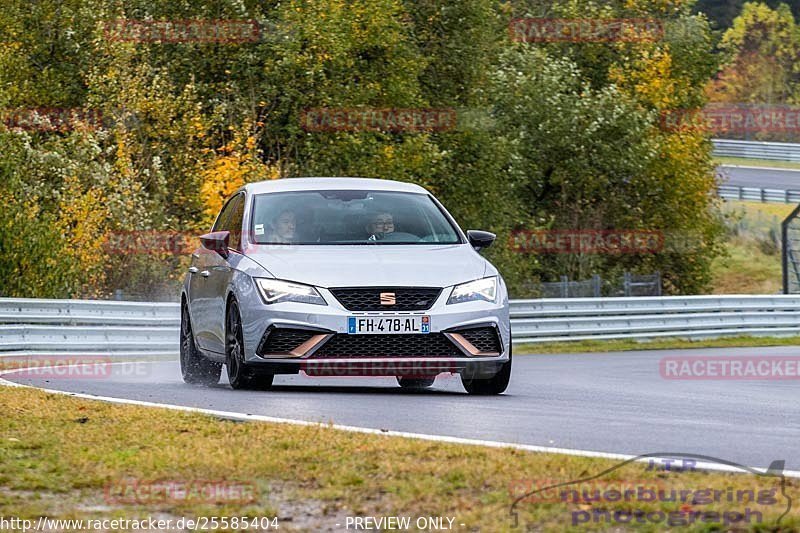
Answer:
(369, 431)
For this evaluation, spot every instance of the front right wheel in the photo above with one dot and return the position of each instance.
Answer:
(496, 384)
(240, 375)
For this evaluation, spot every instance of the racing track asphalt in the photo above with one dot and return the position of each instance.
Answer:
(764, 178)
(606, 402)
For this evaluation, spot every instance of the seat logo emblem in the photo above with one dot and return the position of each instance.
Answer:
(388, 298)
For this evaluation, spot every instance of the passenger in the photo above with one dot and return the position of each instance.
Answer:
(283, 227)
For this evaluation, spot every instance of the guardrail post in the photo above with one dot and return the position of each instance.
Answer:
(596, 285)
(564, 287)
(658, 283)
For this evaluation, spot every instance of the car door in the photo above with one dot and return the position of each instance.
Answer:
(203, 287)
(221, 272)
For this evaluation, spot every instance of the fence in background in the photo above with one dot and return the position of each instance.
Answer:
(790, 252)
(628, 285)
(30, 327)
(756, 194)
(757, 150)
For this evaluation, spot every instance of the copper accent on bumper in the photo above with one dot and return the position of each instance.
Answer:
(301, 350)
(468, 346)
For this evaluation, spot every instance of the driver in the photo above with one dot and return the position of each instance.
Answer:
(380, 225)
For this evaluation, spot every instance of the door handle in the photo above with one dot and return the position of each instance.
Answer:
(205, 273)
(192, 270)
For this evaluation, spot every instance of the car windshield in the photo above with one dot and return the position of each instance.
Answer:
(349, 217)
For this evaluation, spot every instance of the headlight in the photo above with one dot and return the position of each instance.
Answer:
(275, 290)
(479, 290)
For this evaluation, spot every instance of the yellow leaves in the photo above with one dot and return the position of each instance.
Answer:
(220, 180)
(227, 173)
(651, 79)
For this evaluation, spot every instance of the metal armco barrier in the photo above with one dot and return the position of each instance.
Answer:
(30, 326)
(733, 192)
(757, 150)
(692, 317)
(34, 326)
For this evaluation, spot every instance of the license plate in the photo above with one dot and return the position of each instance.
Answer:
(375, 325)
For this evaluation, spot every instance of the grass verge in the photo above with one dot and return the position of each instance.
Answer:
(745, 162)
(621, 345)
(746, 269)
(752, 262)
(60, 455)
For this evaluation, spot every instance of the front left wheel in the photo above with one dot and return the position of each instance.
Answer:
(195, 368)
(496, 384)
(240, 375)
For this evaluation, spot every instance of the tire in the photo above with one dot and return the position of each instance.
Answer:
(415, 383)
(240, 375)
(196, 369)
(497, 384)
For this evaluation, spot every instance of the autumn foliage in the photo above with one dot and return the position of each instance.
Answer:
(561, 135)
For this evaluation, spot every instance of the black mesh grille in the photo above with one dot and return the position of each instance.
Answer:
(484, 339)
(283, 340)
(427, 345)
(369, 298)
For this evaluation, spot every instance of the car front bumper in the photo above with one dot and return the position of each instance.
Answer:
(316, 341)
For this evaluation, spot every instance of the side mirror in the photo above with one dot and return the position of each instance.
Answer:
(216, 241)
(480, 239)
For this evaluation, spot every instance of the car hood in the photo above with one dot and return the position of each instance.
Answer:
(378, 265)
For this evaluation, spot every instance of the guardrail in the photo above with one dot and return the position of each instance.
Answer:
(757, 150)
(86, 326)
(734, 192)
(691, 317)
(36, 326)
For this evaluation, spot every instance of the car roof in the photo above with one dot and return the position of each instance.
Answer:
(312, 184)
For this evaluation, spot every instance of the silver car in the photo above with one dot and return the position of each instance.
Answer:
(343, 277)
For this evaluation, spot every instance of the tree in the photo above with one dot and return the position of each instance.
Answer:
(760, 50)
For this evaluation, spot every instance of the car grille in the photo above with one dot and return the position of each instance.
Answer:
(369, 298)
(484, 339)
(283, 340)
(404, 345)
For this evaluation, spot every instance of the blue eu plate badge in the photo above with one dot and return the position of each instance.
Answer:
(426, 324)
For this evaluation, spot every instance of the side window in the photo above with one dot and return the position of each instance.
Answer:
(222, 219)
(234, 224)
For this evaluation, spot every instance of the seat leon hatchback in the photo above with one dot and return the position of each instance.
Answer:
(343, 277)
